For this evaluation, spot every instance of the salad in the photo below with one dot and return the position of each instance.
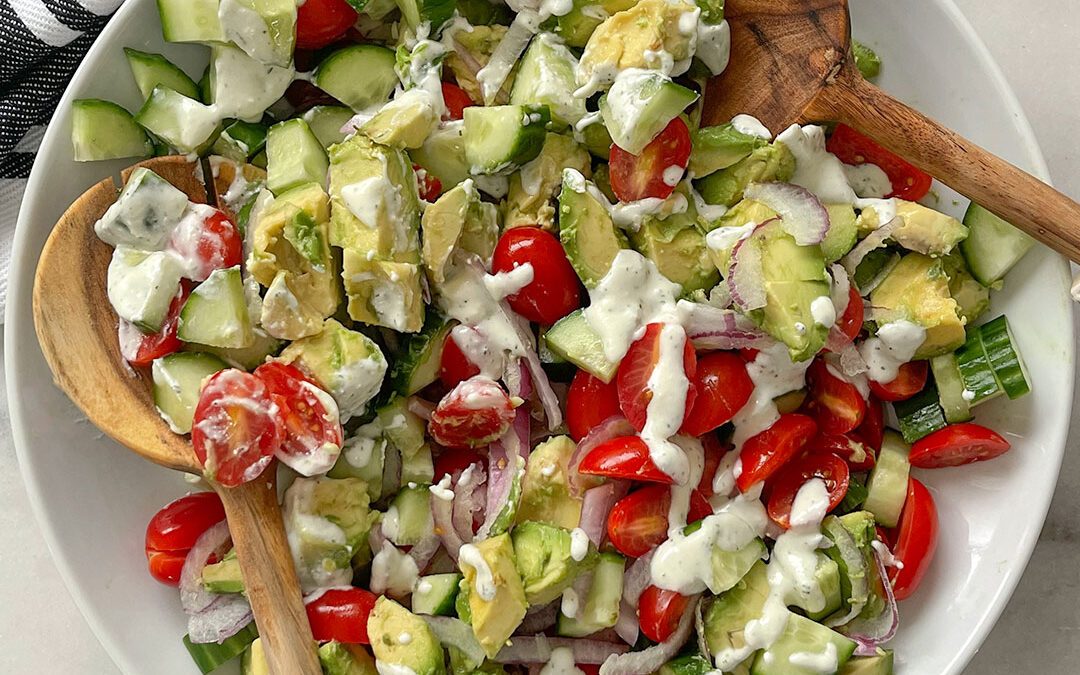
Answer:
(560, 380)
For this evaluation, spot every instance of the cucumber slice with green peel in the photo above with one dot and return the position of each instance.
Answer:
(920, 415)
(573, 339)
(999, 346)
(247, 358)
(601, 603)
(326, 121)
(359, 76)
(141, 286)
(827, 576)
(182, 122)
(178, 380)
(150, 70)
(874, 268)
(950, 385)
(208, 657)
(975, 370)
(216, 313)
(852, 565)
(729, 567)
(265, 29)
(243, 87)
(499, 139)
(443, 154)
(801, 635)
(417, 364)
(484, 13)
(435, 594)
(409, 516)
(105, 130)
(888, 481)
(294, 156)
(190, 21)
(993, 246)
(687, 664)
(240, 140)
(433, 12)
(639, 105)
(546, 76)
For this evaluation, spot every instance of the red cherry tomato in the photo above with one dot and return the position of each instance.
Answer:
(453, 460)
(910, 380)
(723, 387)
(908, 182)
(635, 177)
(957, 444)
(589, 668)
(626, 457)
(590, 402)
(763, 455)
(341, 614)
(321, 22)
(852, 320)
(636, 368)
(472, 414)
(427, 184)
(714, 452)
(835, 404)
(309, 417)
(454, 366)
(140, 349)
(786, 484)
(553, 292)
(858, 455)
(916, 540)
(456, 101)
(209, 244)
(237, 427)
(174, 530)
(638, 522)
(872, 429)
(659, 612)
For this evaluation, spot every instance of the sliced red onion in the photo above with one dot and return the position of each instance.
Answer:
(627, 626)
(426, 547)
(471, 479)
(801, 214)
(699, 628)
(637, 578)
(517, 379)
(709, 327)
(649, 660)
(746, 278)
(870, 633)
(612, 427)
(872, 241)
(212, 617)
(502, 469)
(852, 362)
(537, 649)
(596, 505)
(442, 512)
(452, 632)
(539, 618)
(841, 288)
(420, 407)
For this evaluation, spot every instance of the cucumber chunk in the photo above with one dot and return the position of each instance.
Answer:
(920, 415)
(240, 140)
(639, 105)
(359, 76)
(729, 567)
(573, 339)
(265, 29)
(950, 386)
(1000, 348)
(294, 156)
(150, 70)
(975, 369)
(145, 213)
(409, 515)
(326, 122)
(216, 313)
(801, 636)
(888, 481)
(190, 21)
(241, 86)
(435, 594)
(142, 285)
(546, 76)
(499, 139)
(178, 382)
(417, 364)
(434, 12)
(993, 246)
(184, 123)
(247, 358)
(601, 608)
(209, 656)
(104, 130)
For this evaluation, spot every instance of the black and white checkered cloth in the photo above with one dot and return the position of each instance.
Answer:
(42, 42)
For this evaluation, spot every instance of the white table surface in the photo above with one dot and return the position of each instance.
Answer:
(1035, 43)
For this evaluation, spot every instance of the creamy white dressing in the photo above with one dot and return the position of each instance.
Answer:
(503, 284)
(184, 243)
(375, 201)
(751, 126)
(387, 668)
(478, 350)
(442, 490)
(894, 345)
(561, 662)
(144, 215)
(393, 572)
(868, 180)
(570, 603)
(817, 169)
(579, 542)
(713, 45)
(484, 583)
(823, 311)
(820, 662)
(139, 284)
(245, 87)
(884, 209)
(630, 215)
(667, 406)
(303, 529)
(724, 238)
(244, 26)
(773, 374)
(492, 76)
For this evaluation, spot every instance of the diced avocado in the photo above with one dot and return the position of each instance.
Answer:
(546, 495)
(337, 658)
(729, 567)
(927, 231)
(677, 248)
(773, 162)
(842, 234)
(496, 596)
(743, 213)
(544, 555)
(347, 363)
(404, 122)
(576, 26)
(402, 427)
(384, 293)
(573, 339)
(458, 219)
(528, 201)
(881, 664)
(389, 624)
(472, 51)
(632, 37)
(224, 576)
(917, 290)
(216, 312)
(972, 298)
(142, 286)
(546, 76)
(253, 660)
(586, 230)
(716, 148)
(805, 638)
(869, 65)
(443, 154)
(601, 604)
(727, 615)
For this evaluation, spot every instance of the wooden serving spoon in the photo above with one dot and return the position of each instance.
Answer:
(76, 327)
(791, 62)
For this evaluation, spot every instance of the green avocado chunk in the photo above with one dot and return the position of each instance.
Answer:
(773, 162)
(586, 230)
(544, 555)
(716, 148)
(496, 597)
(917, 290)
(337, 658)
(677, 248)
(401, 638)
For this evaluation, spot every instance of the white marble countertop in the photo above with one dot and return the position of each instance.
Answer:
(1035, 42)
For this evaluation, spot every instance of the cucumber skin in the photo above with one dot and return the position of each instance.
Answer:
(1004, 358)
(88, 116)
(947, 378)
(920, 415)
(886, 492)
(525, 141)
(380, 77)
(417, 364)
(993, 246)
(150, 70)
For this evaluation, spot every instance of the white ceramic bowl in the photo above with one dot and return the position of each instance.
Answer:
(93, 498)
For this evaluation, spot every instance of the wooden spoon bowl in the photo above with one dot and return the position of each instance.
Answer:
(77, 329)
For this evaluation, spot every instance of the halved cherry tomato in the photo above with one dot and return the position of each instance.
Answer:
(174, 530)
(910, 380)
(714, 452)
(763, 455)
(590, 402)
(472, 414)
(589, 668)
(858, 455)
(452, 460)
(957, 444)
(312, 434)
(321, 22)
(454, 366)
(786, 484)
(140, 349)
(723, 387)
(626, 457)
(872, 429)
(636, 369)
(341, 614)
(237, 427)
(659, 612)
(835, 404)
(635, 177)
(212, 243)
(638, 522)
(916, 540)
(852, 320)
(456, 101)
(427, 184)
(908, 182)
(553, 292)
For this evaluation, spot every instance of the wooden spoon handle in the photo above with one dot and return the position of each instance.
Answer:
(1013, 194)
(258, 535)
